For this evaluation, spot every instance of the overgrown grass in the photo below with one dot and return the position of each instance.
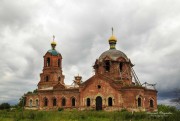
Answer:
(74, 115)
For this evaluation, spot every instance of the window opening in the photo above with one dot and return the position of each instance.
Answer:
(151, 103)
(37, 103)
(63, 102)
(54, 102)
(30, 103)
(48, 62)
(59, 63)
(45, 102)
(73, 101)
(109, 101)
(59, 78)
(120, 66)
(139, 102)
(88, 103)
(47, 78)
(99, 86)
(107, 65)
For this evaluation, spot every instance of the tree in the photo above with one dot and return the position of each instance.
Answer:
(22, 101)
(35, 91)
(166, 108)
(5, 106)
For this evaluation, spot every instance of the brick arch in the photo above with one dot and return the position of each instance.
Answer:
(86, 102)
(121, 59)
(37, 102)
(110, 96)
(108, 100)
(54, 101)
(30, 99)
(63, 101)
(103, 98)
(99, 94)
(63, 96)
(139, 101)
(45, 101)
(54, 97)
(107, 58)
(151, 102)
(73, 101)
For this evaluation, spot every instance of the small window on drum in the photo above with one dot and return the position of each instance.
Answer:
(107, 65)
(120, 66)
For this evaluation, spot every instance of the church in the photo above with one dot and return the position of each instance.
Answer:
(113, 87)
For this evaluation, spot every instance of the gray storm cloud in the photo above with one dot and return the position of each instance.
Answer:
(147, 31)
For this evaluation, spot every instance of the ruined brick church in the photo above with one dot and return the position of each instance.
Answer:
(114, 86)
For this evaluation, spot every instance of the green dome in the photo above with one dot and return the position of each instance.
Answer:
(53, 52)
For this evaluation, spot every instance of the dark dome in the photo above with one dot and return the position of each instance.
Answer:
(53, 52)
(113, 54)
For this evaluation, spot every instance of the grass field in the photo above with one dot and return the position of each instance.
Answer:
(74, 115)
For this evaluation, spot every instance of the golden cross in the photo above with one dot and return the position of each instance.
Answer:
(53, 38)
(112, 30)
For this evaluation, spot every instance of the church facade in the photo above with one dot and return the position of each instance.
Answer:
(114, 86)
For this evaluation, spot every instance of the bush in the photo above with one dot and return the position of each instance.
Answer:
(31, 115)
(60, 109)
(173, 117)
(5, 106)
(124, 110)
(140, 115)
(165, 108)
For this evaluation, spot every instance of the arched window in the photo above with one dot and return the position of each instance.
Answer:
(54, 102)
(45, 101)
(37, 103)
(139, 102)
(59, 63)
(30, 103)
(73, 101)
(151, 103)
(109, 101)
(63, 102)
(48, 62)
(107, 65)
(88, 102)
(59, 78)
(47, 78)
(120, 66)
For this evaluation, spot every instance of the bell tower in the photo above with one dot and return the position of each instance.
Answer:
(52, 70)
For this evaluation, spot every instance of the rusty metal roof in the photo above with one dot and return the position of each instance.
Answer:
(113, 54)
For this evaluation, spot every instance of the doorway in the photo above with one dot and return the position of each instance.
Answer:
(98, 103)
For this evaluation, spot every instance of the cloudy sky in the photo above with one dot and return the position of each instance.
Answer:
(148, 32)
